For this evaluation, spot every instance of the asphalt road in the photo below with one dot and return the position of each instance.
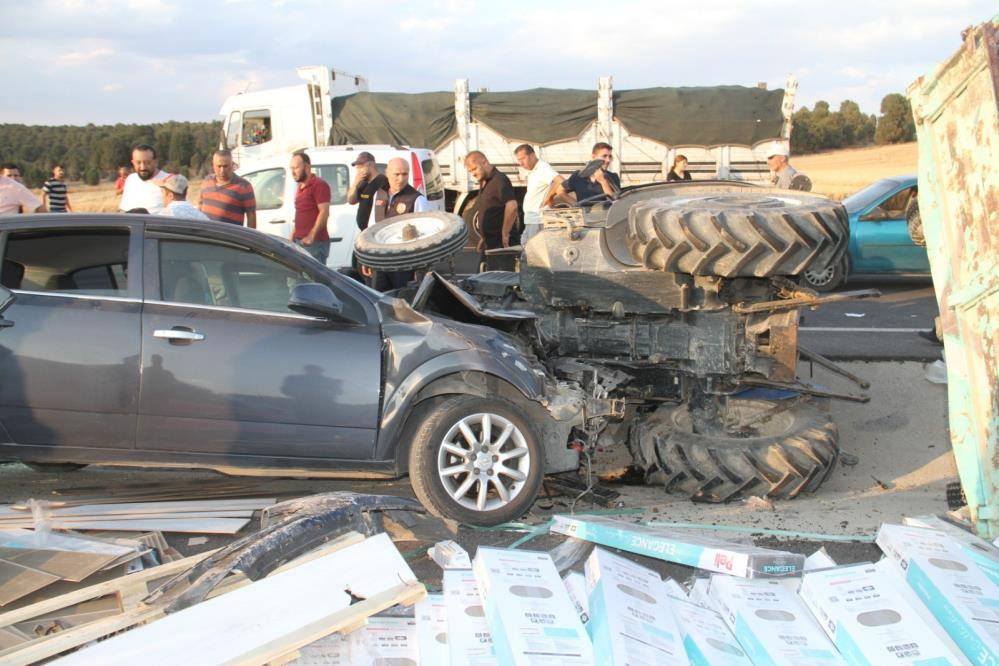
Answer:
(883, 328)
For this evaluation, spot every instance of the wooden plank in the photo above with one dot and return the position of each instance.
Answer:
(99, 590)
(29, 539)
(12, 637)
(270, 617)
(60, 563)
(17, 580)
(192, 525)
(147, 508)
(73, 616)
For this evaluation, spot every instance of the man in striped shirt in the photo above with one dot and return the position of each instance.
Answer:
(226, 197)
(55, 194)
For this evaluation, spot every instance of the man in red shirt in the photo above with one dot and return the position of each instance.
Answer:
(312, 209)
(119, 185)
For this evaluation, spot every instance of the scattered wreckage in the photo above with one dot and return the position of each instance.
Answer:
(673, 312)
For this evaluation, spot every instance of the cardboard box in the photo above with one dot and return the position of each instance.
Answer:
(868, 620)
(575, 585)
(469, 641)
(332, 650)
(531, 618)
(631, 619)
(771, 623)
(384, 640)
(707, 553)
(981, 552)
(706, 638)
(961, 597)
(431, 630)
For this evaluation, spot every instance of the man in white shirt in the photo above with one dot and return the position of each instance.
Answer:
(542, 185)
(141, 189)
(15, 197)
(174, 187)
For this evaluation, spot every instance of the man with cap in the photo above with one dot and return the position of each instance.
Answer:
(174, 188)
(367, 181)
(782, 174)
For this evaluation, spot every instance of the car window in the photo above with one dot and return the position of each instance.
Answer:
(232, 130)
(865, 197)
(894, 206)
(268, 187)
(91, 262)
(256, 127)
(337, 177)
(432, 179)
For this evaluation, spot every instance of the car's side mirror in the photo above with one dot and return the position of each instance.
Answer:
(317, 300)
(6, 298)
(874, 215)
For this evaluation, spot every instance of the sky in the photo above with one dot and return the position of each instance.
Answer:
(142, 61)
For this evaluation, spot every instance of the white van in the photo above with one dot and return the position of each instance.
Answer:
(274, 189)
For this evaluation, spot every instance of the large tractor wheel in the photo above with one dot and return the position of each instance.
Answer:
(775, 449)
(756, 233)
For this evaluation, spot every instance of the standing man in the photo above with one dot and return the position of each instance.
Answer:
(174, 188)
(119, 185)
(312, 209)
(542, 185)
(367, 182)
(496, 204)
(782, 174)
(11, 170)
(141, 189)
(16, 198)
(400, 198)
(226, 197)
(582, 186)
(55, 193)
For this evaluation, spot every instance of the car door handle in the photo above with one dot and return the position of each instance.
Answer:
(178, 334)
(277, 222)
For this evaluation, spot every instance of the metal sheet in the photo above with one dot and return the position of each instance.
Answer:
(957, 126)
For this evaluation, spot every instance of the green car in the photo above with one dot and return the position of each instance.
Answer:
(879, 237)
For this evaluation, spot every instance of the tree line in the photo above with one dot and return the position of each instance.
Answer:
(94, 152)
(820, 128)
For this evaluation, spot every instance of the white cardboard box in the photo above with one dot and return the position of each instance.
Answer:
(469, 642)
(431, 630)
(868, 620)
(706, 638)
(531, 618)
(771, 623)
(678, 546)
(384, 640)
(575, 585)
(631, 618)
(981, 552)
(961, 597)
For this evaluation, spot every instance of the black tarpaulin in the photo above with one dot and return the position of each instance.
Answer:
(541, 115)
(715, 116)
(424, 120)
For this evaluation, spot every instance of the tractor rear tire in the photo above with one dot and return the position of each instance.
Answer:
(792, 452)
(756, 233)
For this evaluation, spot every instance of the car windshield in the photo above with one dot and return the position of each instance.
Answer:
(865, 197)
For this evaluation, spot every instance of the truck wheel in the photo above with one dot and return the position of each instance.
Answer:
(776, 456)
(476, 460)
(411, 241)
(757, 233)
(825, 279)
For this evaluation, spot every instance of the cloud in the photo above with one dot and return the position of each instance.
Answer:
(112, 87)
(74, 58)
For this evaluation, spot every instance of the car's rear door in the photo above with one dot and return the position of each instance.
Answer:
(69, 368)
(227, 369)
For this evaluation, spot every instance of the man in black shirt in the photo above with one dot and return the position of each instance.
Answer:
(367, 181)
(496, 204)
(580, 187)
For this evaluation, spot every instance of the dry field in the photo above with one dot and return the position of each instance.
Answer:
(837, 174)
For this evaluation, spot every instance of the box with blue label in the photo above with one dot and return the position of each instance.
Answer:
(631, 618)
(981, 552)
(468, 638)
(706, 638)
(531, 618)
(868, 619)
(431, 630)
(961, 597)
(771, 622)
(716, 555)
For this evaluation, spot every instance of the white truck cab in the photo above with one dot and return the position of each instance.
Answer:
(279, 121)
(275, 189)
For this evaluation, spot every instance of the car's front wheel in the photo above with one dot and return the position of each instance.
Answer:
(825, 279)
(476, 460)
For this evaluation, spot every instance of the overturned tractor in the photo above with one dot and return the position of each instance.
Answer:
(675, 307)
